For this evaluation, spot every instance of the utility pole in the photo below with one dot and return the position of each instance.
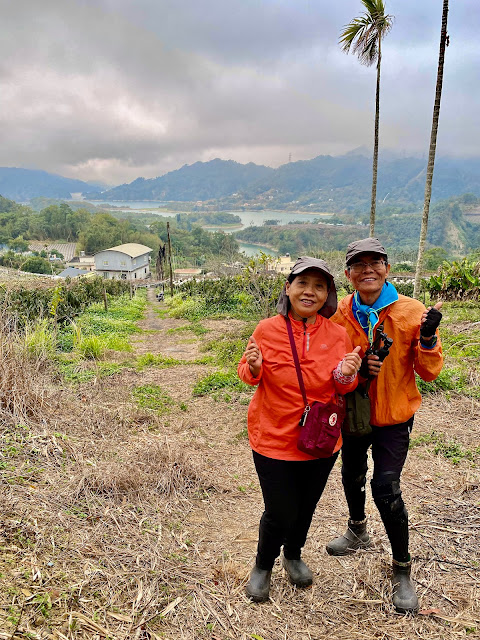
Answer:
(170, 258)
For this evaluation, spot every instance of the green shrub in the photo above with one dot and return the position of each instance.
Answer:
(404, 288)
(62, 302)
(90, 347)
(457, 280)
(244, 296)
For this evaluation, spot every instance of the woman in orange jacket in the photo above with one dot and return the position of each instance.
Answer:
(394, 398)
(292, 481)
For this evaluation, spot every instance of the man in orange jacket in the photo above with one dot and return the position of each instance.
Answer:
(394, 398)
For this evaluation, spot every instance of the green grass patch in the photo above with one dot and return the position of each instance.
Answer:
(449, 449)
(228, 349)
(195, 327)
(448, 380)
(158, 360)
(78, 371)
(112, 327)
(219, 380)
(153, 397)
(193, 309)
(90, 347)
(460, 335)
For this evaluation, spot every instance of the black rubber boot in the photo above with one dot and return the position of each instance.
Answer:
(258, 586)
(298, 572)
(355, 537)
(404, 597)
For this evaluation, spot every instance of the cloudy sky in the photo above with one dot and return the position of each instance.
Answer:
(112, 90)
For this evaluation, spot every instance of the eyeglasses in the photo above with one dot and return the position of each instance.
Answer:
(358, 267)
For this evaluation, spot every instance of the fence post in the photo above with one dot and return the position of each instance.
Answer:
(170, 258)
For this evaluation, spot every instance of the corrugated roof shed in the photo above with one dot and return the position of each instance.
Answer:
(131, 249)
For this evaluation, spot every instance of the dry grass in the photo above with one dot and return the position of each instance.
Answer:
(119, 523)
(23, 393)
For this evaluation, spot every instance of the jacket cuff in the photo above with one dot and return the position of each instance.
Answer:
(246, 375)
(341, 378)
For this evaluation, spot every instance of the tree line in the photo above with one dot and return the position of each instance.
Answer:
(94, 232)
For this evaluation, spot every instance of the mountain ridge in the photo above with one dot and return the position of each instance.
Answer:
(21, 184)
(347, 178)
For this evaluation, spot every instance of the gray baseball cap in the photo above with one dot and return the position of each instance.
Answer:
(302, 264)
(367, 245)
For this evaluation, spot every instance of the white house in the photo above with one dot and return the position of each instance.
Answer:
(86, 263)
(284, 264)
(129, 261)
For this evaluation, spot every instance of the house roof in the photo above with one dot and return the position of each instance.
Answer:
(131, 249)
(71, 272)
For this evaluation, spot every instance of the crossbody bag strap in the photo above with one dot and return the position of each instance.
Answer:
(296, 361)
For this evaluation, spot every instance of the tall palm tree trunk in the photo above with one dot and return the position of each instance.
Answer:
(432, 150)
(373, 204)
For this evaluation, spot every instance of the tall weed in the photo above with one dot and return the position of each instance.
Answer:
(39, 340)
(23, 394)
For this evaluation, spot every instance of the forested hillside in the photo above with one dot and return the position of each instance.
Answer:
(23, 184)
(396, 228)
(199, 181)
(328, 183)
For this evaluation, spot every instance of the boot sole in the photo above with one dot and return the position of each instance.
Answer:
(256, 598)
(403, 611)
(300, 585)
(349, 551)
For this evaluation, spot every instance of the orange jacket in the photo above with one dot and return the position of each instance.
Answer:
(277, 404)
(394, 396)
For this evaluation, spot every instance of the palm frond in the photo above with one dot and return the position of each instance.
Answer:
(362, 35)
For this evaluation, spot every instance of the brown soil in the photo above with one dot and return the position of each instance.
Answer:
(123, 523)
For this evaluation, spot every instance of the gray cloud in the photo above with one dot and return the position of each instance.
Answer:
(114, 89)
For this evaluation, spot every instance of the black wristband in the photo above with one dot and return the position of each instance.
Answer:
(428, 328)
(430, 344)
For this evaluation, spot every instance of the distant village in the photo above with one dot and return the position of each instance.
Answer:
(132, 261)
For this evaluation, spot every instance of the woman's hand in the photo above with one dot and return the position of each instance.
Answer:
(351, 362)
(254, 357)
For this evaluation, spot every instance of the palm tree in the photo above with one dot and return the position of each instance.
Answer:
(363, 37)
(444, 41)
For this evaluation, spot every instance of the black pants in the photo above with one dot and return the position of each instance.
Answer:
(389, 452)
(291, 490)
